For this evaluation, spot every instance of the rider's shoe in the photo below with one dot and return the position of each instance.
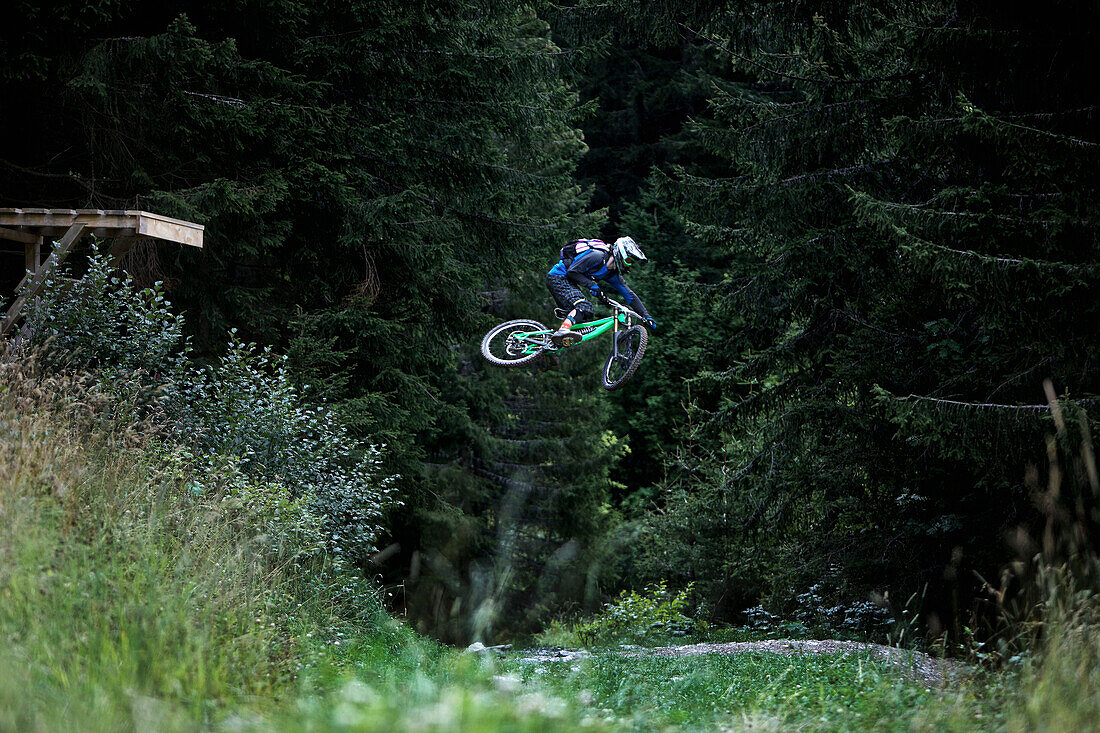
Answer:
(565, 337)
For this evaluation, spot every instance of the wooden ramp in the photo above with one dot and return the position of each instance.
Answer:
(31, 227)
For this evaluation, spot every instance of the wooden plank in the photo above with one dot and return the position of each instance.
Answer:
(50, 222)
(17, 236)
(119, 249)
(174, 230)
(38, 274)
(101, 220)
(60, 252)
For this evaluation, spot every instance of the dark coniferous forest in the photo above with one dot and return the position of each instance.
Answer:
(872, 235)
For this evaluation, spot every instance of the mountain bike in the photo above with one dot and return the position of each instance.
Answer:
(524, 341)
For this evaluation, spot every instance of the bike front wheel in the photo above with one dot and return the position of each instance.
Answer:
(621, 366)
(515, 342)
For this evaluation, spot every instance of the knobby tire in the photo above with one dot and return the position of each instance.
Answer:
(498, 338)
(635, 358)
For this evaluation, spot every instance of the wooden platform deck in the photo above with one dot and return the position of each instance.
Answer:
(22, 224)
(31, 227)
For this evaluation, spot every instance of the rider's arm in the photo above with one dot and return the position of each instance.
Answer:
(632, 300)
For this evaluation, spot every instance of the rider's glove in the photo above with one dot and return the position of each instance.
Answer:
(652, 324)
(601, 296)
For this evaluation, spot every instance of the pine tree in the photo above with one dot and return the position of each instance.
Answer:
(908, 203)
(366, 174)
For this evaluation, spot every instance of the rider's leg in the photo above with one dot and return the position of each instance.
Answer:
(582, 313)
(570, 299)
(576, 315)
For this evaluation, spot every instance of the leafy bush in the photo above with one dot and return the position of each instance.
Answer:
(289, 527)
(655, 612)
(825, 609)
(102, 321)
(247, 408)
(242, 420)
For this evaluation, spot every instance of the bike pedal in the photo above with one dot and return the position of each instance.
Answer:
(566, 340)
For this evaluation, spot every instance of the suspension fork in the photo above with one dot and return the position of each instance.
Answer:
(615, 335)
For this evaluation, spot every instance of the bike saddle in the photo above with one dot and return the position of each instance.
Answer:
(561, 312)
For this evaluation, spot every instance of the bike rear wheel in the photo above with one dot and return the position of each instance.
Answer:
(515, 342)
(620, 367)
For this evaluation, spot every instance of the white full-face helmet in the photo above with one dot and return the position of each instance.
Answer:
(627, 252)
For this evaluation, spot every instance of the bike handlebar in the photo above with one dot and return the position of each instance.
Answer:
(620, 307)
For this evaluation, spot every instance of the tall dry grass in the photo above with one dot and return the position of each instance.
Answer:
(1059, 571)
(132, 595)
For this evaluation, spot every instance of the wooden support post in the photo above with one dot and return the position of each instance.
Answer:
(119, 249)
(60, 252)
(33, 255)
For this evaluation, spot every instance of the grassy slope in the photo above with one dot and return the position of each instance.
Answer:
(133, 597)
(138, 592)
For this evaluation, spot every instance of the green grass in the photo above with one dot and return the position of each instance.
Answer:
(131, 601)
(122, 598)
(136, 593)
(812, 692)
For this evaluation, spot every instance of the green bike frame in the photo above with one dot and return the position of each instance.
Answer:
(587, 332)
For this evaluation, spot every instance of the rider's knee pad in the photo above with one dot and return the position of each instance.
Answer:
(585, 311)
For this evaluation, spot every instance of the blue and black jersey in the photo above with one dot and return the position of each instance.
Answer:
(590, 267)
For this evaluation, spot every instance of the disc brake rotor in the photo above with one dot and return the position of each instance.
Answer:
(514, 346)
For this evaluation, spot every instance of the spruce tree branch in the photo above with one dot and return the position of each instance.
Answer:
(805, 112)
(417, 222)
(795, 77)
(1068, 139)
(920, 209)
(498, 56)
(972, 405)
(465, 103)
(432, 51)
(1053, 115)
(1046, 196)
(848, 314)
(1024, 373)
(716, 182)
(992, 258)
(226, 100)
(221, 99)
(41, 174)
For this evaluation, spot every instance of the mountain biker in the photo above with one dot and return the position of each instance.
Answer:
(583, 263)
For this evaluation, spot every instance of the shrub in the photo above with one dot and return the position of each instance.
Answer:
(655, 612)
(103, 322)
(825, 609)
(246, 407)
(243, 417)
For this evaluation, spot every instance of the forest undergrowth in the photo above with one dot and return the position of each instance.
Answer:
(138, 591)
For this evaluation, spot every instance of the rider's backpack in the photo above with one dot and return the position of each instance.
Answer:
(579, 246)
